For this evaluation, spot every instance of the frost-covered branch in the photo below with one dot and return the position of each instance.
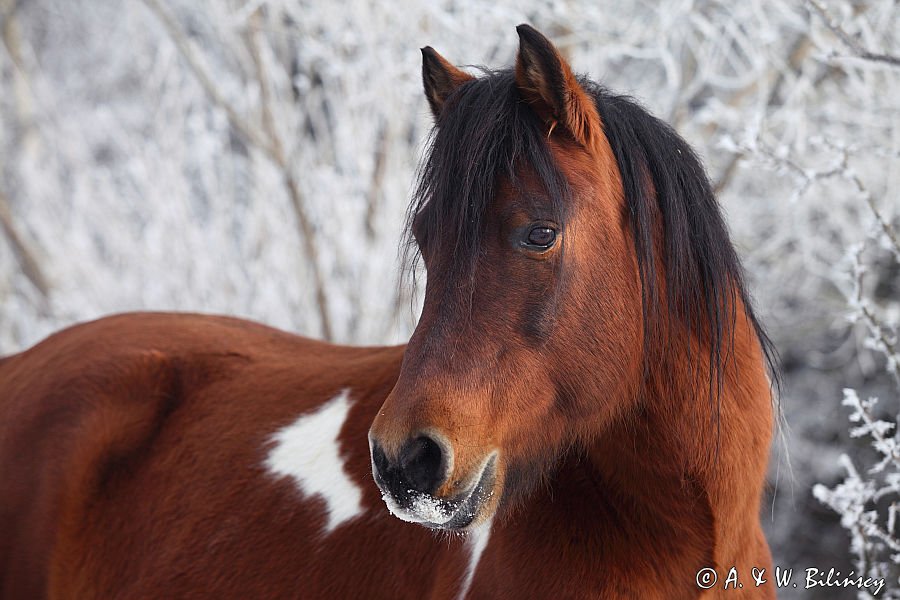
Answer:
(860, 499)
(882, 336)
(282, 160)
(192, 57)
(841, 232)
(268, 141)
(27, 258)
(851, 42)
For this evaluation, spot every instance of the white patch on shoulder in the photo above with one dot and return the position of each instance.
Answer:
(477, 540)
(308, 451)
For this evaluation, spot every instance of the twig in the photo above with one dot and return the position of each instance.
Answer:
(265, 88)
(27, 259)
(799, 51)
(374, 195)
(268, 142)
(882, 222)
(9, 32)
(309, 247)
(186, 49)
(848, 39)
(293, 188)
(841, 169)
(876, 327)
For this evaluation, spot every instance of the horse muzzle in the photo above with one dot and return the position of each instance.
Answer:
(409, 484)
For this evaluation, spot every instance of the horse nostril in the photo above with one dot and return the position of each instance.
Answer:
(423, 464)
(379, 460)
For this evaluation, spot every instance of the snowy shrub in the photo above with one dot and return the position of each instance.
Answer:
(845, 165)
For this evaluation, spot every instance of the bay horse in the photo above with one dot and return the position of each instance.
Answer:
(583, 410)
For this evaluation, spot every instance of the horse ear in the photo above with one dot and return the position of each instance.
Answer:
(440, 79)
(547, 83)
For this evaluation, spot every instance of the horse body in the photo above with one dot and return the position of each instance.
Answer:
(135, 452)
(583, 410)
(138, 445)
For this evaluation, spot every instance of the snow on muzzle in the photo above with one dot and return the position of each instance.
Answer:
(409, 485)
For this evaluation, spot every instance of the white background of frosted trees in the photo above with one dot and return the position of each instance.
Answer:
(255, 158)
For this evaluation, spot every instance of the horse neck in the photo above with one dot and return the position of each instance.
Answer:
(677, 452)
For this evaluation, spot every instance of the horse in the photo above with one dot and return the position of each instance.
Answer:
(584, 409)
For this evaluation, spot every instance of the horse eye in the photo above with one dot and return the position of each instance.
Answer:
(541, 237)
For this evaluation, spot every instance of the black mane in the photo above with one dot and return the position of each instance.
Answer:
(486, 131)
(483, 132)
